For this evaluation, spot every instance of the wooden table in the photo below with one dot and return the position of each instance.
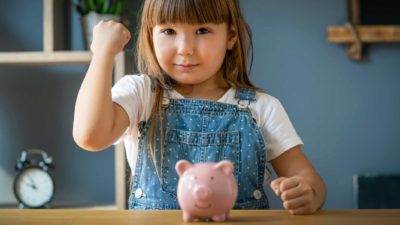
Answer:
(248, 217)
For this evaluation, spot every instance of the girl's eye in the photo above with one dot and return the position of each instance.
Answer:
(168, 31)
(202, 31)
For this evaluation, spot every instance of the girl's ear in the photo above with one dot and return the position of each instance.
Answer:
(232, 37)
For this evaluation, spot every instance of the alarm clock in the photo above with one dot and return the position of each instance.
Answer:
(34, 185)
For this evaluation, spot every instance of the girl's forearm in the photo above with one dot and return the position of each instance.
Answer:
(94, 116)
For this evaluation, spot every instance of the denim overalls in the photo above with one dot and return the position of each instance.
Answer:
(201, 131)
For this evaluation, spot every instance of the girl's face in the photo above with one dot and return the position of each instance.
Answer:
(192, 54)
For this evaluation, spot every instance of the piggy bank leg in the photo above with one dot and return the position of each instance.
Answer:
(187, 217)
(220, 217)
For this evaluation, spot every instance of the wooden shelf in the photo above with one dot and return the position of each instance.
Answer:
(367, 34)
(50, 56)
(56, 57)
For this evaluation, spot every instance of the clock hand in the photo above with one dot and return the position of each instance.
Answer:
(32, 182)
(29, 184)
(30, 178)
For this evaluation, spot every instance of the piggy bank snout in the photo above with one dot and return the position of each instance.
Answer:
(201, 192)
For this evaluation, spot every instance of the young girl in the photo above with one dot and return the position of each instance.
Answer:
(193, 101)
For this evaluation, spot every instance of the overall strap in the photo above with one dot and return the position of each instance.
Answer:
(166, 93)
(246, 94)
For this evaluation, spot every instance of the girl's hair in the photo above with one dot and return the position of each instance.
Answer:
(235, 68)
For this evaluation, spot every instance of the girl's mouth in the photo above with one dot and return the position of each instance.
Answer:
(185, 67)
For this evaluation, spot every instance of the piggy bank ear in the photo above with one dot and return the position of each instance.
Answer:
(225, 166)
(181, 166)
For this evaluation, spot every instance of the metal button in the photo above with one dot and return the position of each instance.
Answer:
(242, 105)
(138, 193)
(257, 194)
(165, 101)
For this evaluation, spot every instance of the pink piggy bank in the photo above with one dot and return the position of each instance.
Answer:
(206, 190)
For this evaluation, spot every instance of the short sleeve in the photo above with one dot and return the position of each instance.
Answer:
(132, 93)
(279, 133)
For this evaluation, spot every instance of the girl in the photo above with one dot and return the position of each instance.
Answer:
(193, 101)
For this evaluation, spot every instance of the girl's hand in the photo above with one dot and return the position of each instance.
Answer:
(296, 193)
(109, 37)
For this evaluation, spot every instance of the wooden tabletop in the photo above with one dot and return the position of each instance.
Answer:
(248, 217)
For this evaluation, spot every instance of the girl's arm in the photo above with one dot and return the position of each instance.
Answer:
(299, 185)
(98, 122)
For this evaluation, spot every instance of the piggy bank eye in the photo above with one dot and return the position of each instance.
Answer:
(211, 178)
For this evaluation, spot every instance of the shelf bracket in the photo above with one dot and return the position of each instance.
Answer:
(355, 49)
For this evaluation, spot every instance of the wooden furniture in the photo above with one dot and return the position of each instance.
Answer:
(245, 217)
(354, 34)
(50, 55)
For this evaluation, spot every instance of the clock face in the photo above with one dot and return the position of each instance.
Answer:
(34, 187)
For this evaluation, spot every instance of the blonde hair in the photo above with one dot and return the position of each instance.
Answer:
(235, 68)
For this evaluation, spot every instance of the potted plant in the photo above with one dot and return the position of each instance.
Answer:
(93, 11)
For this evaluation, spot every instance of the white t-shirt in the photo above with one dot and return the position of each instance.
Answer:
(133, 93)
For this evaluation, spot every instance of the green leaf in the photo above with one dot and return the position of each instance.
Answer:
(115, 7)
(109, 4)
(119, 7)
(91, 6)
(112, 8)
(103, 6)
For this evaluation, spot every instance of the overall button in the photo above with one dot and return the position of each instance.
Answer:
(257, 194)
(242, 105)
(165, 101)
(138, 193)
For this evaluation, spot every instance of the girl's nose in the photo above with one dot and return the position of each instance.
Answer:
(185, 46)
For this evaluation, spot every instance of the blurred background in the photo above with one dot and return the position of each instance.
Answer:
(347, 112)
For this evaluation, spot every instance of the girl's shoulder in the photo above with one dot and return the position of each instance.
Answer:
(139, 85)
(261, 99)
(134, 94)
(265, 99)
(139, 80)
(264, 108)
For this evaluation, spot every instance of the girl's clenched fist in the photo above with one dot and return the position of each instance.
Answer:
(109, 37)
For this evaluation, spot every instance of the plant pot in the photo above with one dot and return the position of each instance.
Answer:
(89, 21)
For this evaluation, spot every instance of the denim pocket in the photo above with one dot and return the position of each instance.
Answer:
(196, 147)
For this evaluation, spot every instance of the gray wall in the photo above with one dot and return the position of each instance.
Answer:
(348, 113)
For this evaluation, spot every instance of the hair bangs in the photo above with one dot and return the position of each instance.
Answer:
(189, 12)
